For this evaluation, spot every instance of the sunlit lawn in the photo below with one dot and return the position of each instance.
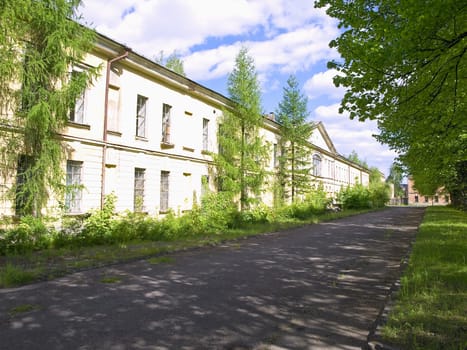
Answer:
(431, 309)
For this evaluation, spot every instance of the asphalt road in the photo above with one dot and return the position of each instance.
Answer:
(316, 287)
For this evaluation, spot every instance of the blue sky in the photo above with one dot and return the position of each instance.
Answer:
(283, 36)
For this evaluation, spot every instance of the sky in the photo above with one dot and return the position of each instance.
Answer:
(283, 37)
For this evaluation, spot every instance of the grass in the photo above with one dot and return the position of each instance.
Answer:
(111, 279)
(161, 260)
(21, 309)
(52, 263)
(431, 308)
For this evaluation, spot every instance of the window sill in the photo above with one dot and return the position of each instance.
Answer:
(141, 138)
(166, 145)
(79, 125)
(164, 211)
(206, 152)
(189, 149)
(114, 133)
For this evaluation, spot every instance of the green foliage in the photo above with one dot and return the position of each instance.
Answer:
(395, 177)
(404, 64)
(356, 197)
(430, 311)
(294, 175)
(218, 212)
(353, 157)
(243, 155)
(172, 62)
(39, 44)
(30, 234)
(12, 276)
(361, 197)
(98, 226)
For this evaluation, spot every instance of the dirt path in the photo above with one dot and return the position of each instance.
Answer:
(316, 287)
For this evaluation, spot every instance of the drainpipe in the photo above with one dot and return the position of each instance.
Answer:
(106, 112)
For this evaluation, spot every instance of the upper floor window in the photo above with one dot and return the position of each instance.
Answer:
(275, 156)
(141, 116)
(73, 181)
(205, 134)
(316, 165)
(77, 108)
(113, 109)
(166, 123)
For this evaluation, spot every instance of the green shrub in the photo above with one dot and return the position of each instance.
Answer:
(98, 226)
(218, 212)
(30, 234)
(356, 197)
(379, 195)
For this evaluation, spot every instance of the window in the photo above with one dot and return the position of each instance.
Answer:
(205, 134)
(73, 183)
(113, 109)
(78, 107)
(275, 158)
(141, 116)
(426, 199)
(416, 199)
(166, 123)
(204, 185)
(164, 199)
(138, 190)
(316, 165)
(23, 197)
(436, 199)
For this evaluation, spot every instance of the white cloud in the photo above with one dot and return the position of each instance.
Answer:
(321, 84)
(297, 34)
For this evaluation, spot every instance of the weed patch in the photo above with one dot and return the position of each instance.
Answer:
(21, 309)
(161, 260)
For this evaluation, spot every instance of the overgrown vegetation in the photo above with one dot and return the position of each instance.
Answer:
(40, 42)
(403, 64)
(105, 236)
(431, 309)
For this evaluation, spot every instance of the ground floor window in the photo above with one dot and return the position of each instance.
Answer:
(74, 191)
(164, 197)
(138, 187)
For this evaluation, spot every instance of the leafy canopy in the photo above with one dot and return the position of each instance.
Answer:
(404, 64)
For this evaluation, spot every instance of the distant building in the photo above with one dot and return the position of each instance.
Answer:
(416, 198)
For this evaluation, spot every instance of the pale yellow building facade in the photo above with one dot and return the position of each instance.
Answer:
(145, 133)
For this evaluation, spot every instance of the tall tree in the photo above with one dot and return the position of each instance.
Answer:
(39, 44)
(395, 177)
(294, 173)
(172, 62)
(354, 157)
(405, 64)
(242, 152)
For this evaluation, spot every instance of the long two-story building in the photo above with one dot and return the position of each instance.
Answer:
(145, 133)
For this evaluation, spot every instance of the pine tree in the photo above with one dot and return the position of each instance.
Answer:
(294, 175)
(39, 43)
(242, 153)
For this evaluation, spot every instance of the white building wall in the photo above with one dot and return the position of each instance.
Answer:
(184, 157)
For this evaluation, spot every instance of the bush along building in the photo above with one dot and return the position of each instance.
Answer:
(148, 135)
